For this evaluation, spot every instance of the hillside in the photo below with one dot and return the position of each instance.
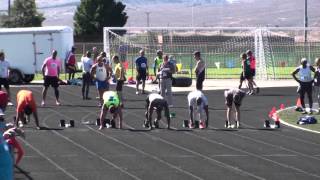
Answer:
(205, 12)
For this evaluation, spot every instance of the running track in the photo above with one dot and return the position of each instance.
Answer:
(85, 153)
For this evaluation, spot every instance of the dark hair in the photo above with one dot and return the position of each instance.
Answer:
(196, 53)
(88, 54)
(112, 109)
(249, 52)
(28, 110)
(243, 56)
(1, 53)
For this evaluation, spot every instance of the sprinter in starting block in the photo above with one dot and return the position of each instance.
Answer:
(198, 104)
(156, 102)
(233, 96)
(111, 103)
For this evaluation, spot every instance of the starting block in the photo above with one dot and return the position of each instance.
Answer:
(172, 115)
(64, 124)
(106, 123)
(267, 124)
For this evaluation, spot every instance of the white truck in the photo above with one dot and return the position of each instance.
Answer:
(27, 48)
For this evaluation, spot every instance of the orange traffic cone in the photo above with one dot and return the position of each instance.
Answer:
(272, 112)
(282, 106)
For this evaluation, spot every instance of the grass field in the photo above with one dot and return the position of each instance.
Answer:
(211, 73)
(291, 116)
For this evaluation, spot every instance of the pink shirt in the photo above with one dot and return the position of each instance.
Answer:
(52, 66)
(252, 62)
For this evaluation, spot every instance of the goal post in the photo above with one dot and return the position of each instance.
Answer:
(278, 50)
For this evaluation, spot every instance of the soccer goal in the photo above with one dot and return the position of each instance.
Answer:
(277, 50)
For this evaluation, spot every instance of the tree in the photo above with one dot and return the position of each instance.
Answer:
(92, 15)
(24, 14)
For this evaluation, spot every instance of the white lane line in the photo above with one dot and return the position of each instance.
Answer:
(46, 157)
(91, 152)
(295, 126)
(218, 163)
(140, 151)
(258, 156)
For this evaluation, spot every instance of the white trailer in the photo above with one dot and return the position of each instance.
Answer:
(27, 48)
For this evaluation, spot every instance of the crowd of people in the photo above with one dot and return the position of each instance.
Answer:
(97, 68)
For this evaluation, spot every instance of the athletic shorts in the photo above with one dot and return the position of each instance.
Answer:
(248, 75)
(51, 80)
(142, 75)
(253, 72)
(102, 84)
(4, 82)
(159, 104)
(119, 85)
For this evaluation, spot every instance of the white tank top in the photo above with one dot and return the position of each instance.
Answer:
(305, 74)
(101, 73)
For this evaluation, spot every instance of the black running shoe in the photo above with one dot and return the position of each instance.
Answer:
(156, 124)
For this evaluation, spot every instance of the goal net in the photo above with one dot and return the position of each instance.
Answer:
(277, 50)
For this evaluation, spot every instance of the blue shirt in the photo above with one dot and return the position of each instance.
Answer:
(141, 63)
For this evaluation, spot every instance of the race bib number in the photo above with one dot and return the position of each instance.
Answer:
(143, 65)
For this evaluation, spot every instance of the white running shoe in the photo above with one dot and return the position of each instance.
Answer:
(137, 92)
(10, 103)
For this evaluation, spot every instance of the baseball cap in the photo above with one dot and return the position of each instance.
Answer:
(1, 112)
(303, 60)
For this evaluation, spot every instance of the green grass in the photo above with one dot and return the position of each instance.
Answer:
(291, 116)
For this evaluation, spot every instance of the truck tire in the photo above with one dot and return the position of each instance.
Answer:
(15, 76)
(28, 78)
(181, 82)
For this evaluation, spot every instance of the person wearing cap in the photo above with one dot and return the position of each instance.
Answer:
(102, 73)
(198, 104)
(6, 161)
(4, 75)
(51, 69)
(71, 63)
(26, 105)
(156, 63)
(111, 103)
(156, 102)
(233, 96)
(142, 71)
(199, 70)
(305, 81)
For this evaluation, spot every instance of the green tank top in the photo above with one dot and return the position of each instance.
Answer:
(247, 66)
(158, 61)
(111, 98)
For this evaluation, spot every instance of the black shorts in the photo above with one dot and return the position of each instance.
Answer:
(248, 75)
(242, 77)
(119, 85)
(253, 72)
(51, 80)
(86, 77)
(142, 75)
(71, 68)
(4, 82)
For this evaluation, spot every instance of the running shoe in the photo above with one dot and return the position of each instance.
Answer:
(156, 124)
(191, 125)
(202, 125)
(238, 124)
(145, 124)
(58, 103)
(137, 92)
(43, 103)
(227, 124)
(10, 103)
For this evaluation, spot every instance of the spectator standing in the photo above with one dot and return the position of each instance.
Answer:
(142, 71)
(4, 75)
(252, 60)
(166, 70)
(305, 80)
(87, 63)
(199, 70)
(71, 63)
(120, 75)
(51, 70)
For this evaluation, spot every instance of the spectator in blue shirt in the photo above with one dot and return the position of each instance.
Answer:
(142, 71)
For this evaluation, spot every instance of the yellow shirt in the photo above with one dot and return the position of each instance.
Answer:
(119, 71)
